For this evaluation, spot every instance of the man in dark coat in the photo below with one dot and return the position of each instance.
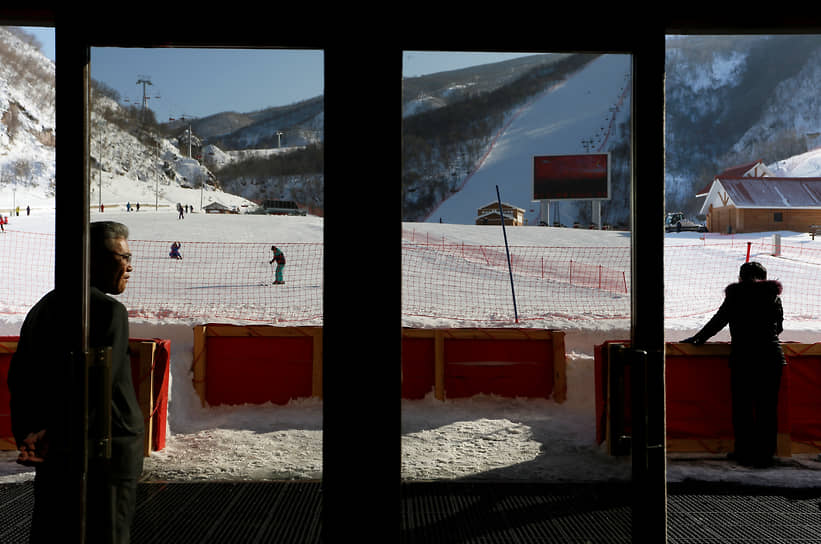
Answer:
(752, 308)
(40, 390)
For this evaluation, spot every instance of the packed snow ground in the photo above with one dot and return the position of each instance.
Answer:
(485, 437)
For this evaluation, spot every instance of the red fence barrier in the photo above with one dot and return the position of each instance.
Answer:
(698, 410)
(239, 364)
(149, 372)
(456, 363)
(450, 279)
(462, 281)
(213, 280)
(230, 281)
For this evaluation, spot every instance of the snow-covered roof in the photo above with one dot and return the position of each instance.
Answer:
(766, 192)
(504, 205)
(216, 206)
(495, 214)
(751, 169)
(755, 169)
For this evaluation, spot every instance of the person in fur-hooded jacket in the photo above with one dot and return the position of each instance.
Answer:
(752, 308)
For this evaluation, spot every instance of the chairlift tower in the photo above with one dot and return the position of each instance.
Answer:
(144, 80)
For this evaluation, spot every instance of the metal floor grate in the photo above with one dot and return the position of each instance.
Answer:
(453, 512)
(518, 513)
(247, 512)
(738, 514)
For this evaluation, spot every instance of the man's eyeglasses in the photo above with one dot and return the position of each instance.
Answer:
(126, 256)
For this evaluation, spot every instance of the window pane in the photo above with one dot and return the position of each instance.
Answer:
(481, 400)
(740, 156)
(27, 168)
(217, 169)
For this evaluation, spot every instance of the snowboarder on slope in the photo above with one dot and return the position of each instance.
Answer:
(279, 257)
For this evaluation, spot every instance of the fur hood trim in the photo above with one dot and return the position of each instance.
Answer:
(773, 287)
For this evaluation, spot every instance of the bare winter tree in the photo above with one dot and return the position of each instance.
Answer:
(22, 170)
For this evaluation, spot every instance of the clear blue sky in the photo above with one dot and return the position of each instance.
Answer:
(201, 82)
(45, 35)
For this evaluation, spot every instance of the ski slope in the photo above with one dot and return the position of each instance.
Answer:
(556, 122)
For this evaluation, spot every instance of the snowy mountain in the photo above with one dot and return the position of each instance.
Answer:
(730, 100)
(735, 99)
(285, 126)
(586, 111)
(804, 165)
(433, 91)
(128, 164)
(132, 165)
(27, 124)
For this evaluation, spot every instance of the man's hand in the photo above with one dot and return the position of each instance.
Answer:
(34, 449)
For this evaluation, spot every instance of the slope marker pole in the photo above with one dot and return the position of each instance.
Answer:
(509, 269)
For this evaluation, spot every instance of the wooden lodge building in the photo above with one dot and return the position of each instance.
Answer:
(749, 198)
(216, 207)
(489, 214)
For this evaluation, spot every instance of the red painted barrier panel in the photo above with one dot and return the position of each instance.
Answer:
(698, 396)
(458, 363)
(159, 377)
(8, 345)
(238, 364)
(155, 393)
(804, 364)
(509, 368)
(258, 369)
(255, 364)
(418, 367)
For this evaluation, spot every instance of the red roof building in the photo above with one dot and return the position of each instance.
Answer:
(748, 198)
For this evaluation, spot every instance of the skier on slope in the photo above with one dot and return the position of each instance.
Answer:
(279, 258)
(175, 251)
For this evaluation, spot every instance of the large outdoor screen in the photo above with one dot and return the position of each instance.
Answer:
(571, 177)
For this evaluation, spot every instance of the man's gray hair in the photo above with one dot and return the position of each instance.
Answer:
(100, 232)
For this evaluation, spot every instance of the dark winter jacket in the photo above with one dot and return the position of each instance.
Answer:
(755, 315)
(39, 382)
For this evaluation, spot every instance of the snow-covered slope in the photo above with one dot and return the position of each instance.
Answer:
(126, 167)
(805, 165)
(555, 122)
(432, 91)
(293, 125)
(735, 99)
(27, 124)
